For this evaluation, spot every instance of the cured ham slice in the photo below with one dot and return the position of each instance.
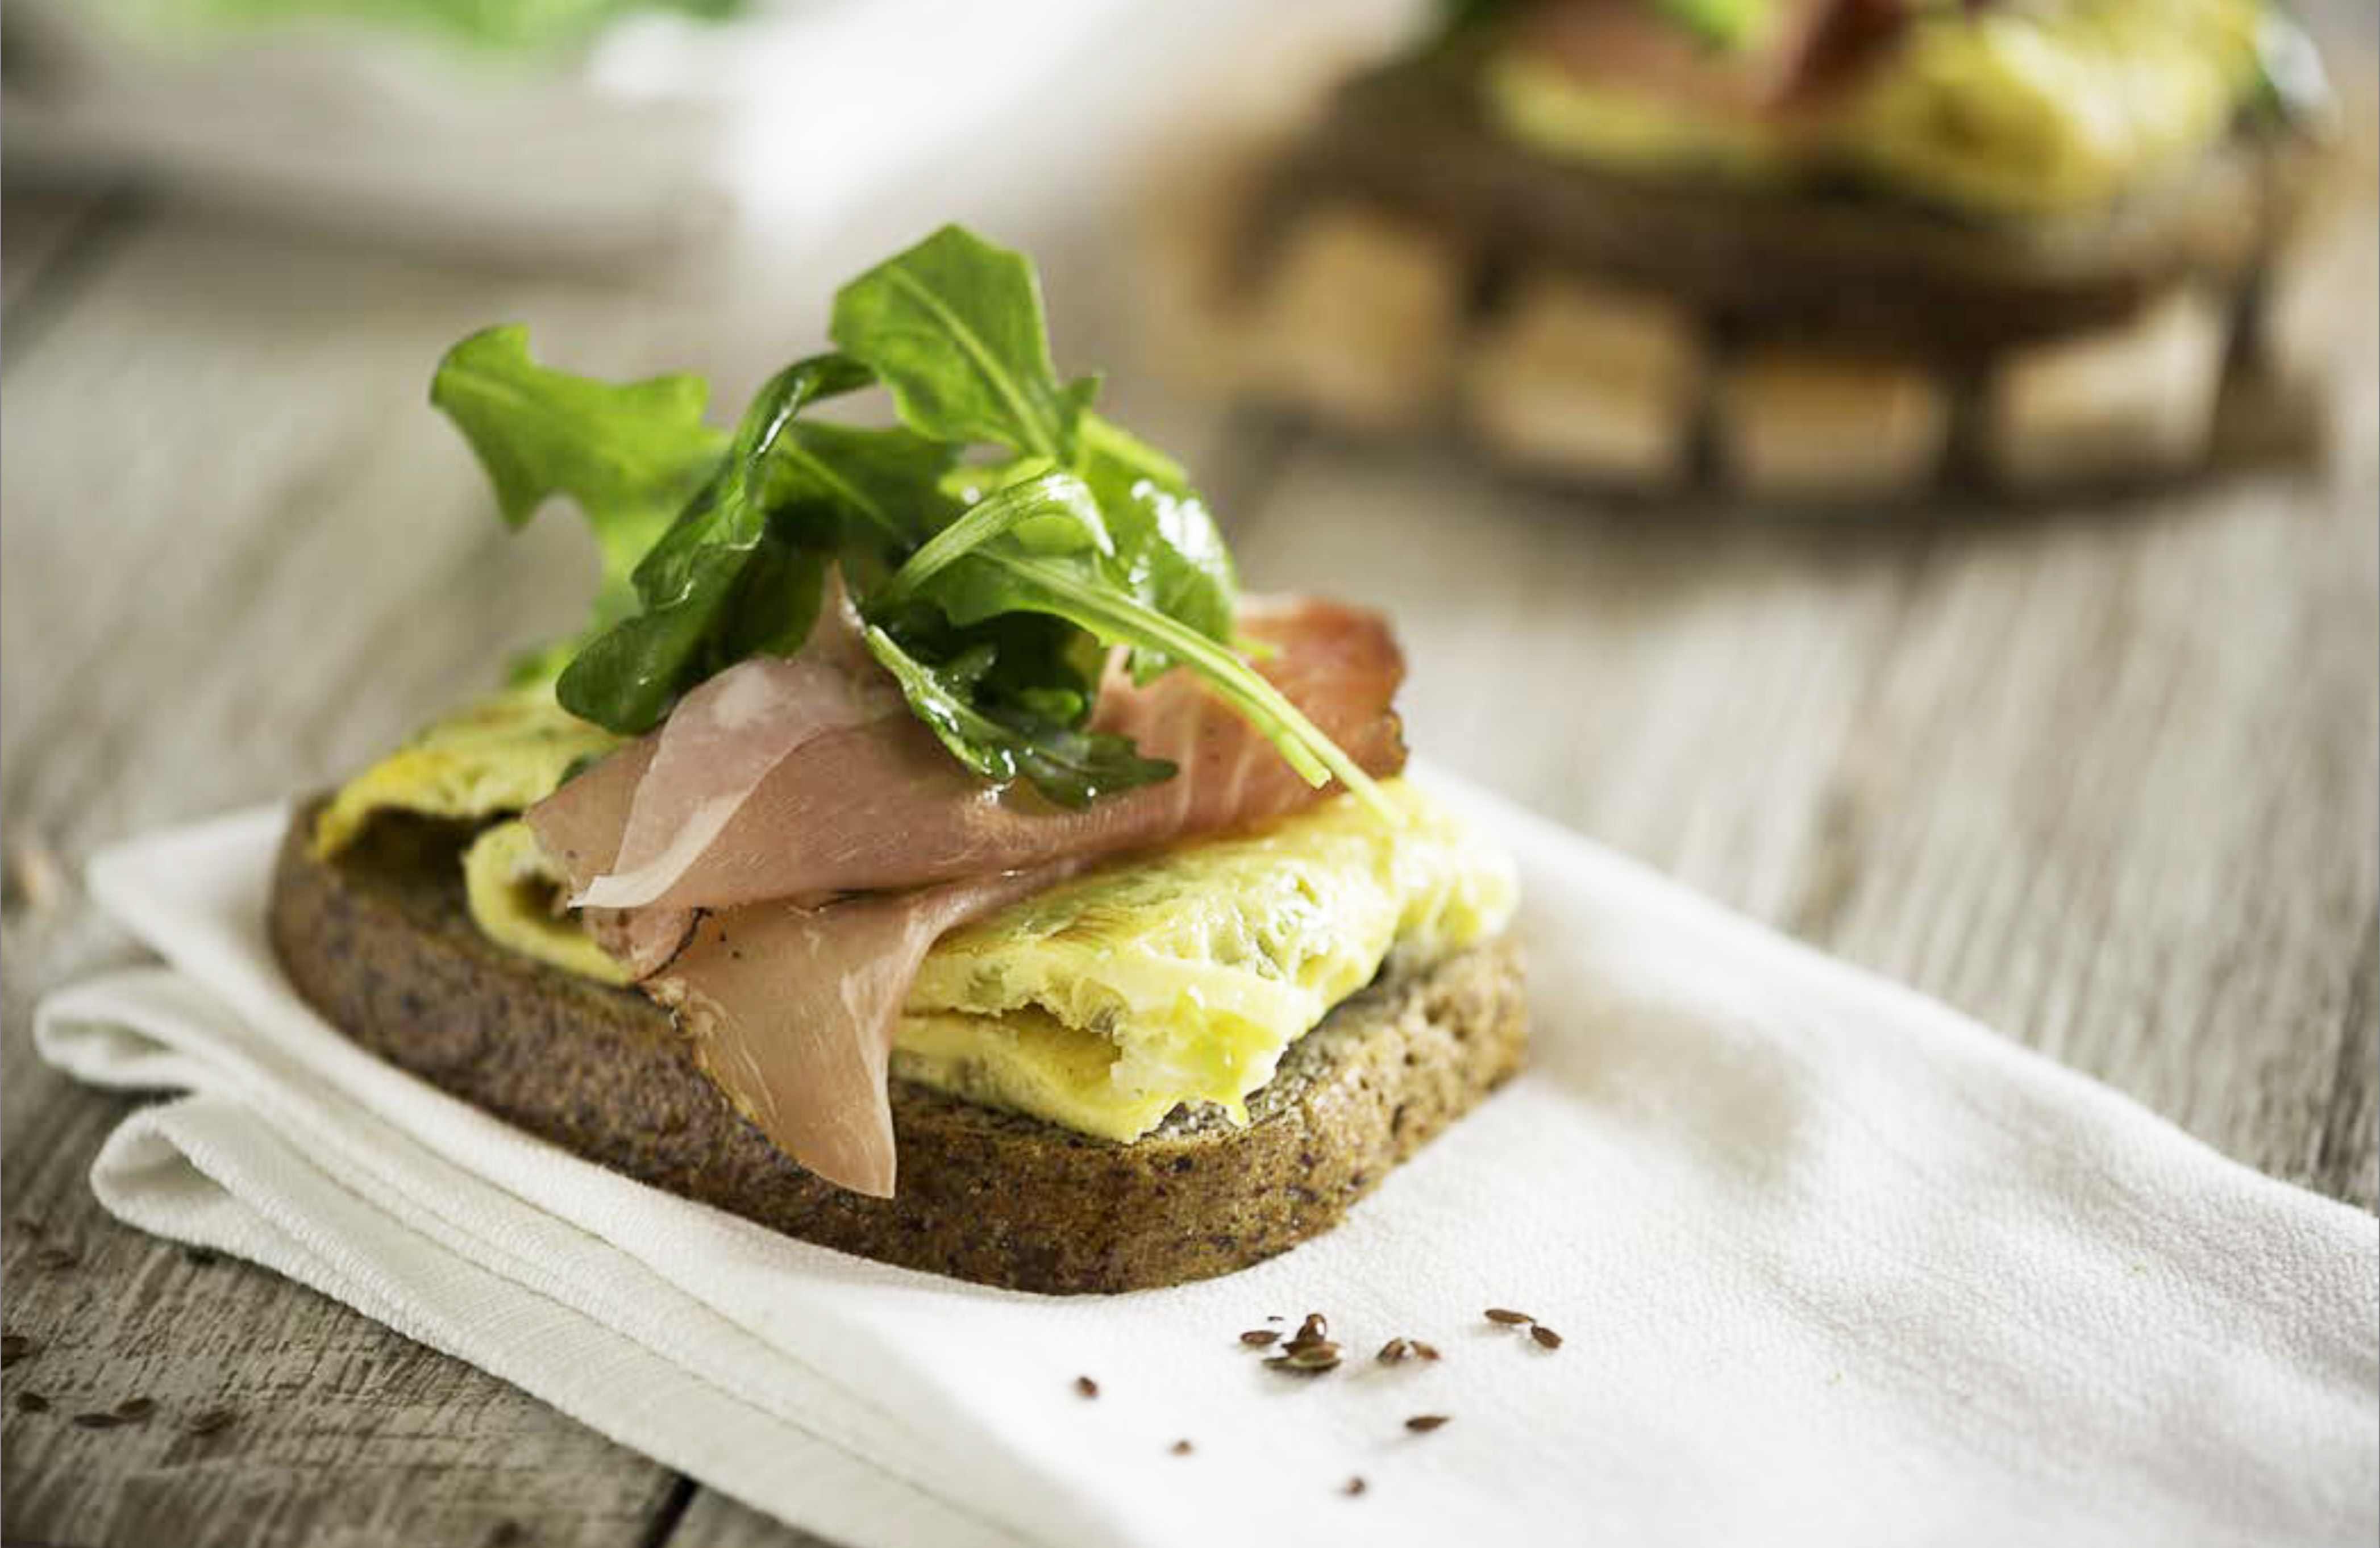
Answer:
(643, 940)
(879, 805)
(792, 1011)
(723, 740)
(790, 993)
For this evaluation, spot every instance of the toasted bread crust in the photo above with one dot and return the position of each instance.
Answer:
(380, 943)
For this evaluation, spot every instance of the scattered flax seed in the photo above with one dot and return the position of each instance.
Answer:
(32, 1403)
(214, 1422)
(14, 1347)
(55, 1258)
(1316, 1326)
(1424, 1351)
(1260, 1335)
(1547, 1337)
(1355, 1485)
(1396, 1350)
(1422, 1424)
(1182, 1449)
(1510, 1318)
(1310, 1360)
(1276, 1319)
(133, 1410)
(97, 1421)
(1087, 1386)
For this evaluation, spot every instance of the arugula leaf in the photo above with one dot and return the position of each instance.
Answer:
(735, 512)
(1143, 514)
(629, 454)
(1171, 554)
(1053, 512)
(890, 479)
(953, 327)
(993, 590)
(1003, 741)
(998, 575)
(703, 603)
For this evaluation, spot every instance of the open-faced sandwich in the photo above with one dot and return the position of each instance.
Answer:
(1806, 250)
(927, 851)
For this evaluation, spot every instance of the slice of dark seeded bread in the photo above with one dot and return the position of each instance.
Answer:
(380, 942)
(1796, 262)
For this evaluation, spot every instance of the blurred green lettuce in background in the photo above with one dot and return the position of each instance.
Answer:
(501, 26)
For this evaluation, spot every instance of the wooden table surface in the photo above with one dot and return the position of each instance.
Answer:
(2104, 778)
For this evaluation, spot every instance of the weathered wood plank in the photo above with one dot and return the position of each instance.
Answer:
(38, 231)
(340, 1429)
(713, 1520)
(296, 512)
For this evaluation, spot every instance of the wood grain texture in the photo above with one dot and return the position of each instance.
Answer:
(713, 1520)
(2104, 779)
(250, 519)
(40, 233)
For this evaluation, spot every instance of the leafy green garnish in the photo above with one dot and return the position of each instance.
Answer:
(722, 583)
(629, 456)
(953, 327)
(990, 588)
(529, 26)
(1002, 741)
(1170, 554)
(1001, 574)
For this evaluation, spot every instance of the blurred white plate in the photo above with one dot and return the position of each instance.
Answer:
(666, 131)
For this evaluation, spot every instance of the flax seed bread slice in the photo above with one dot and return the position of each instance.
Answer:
(379, 941)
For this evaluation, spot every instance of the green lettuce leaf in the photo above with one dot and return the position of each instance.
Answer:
(954, 326)
(1168, 551)
(629, 454)
(1006, 741)
(994, 590)
(719, 585)
(521, 27)
(995, 572)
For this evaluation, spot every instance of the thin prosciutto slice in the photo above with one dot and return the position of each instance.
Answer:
(879, 806)
(723, 740)
(792, 1010)
(791, 993)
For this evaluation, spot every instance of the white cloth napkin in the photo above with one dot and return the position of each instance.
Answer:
(1832, 1265)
